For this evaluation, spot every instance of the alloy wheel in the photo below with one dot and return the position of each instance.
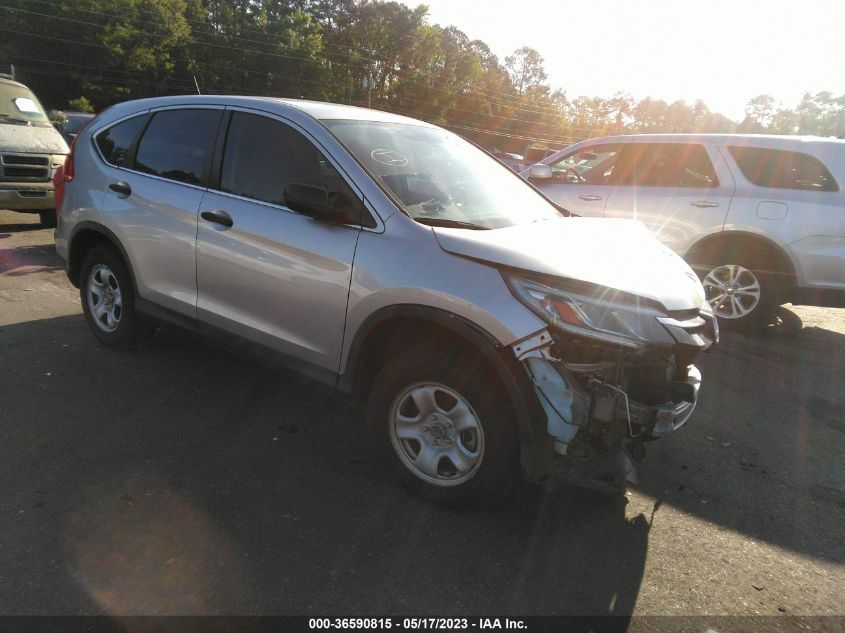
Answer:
(732, 291)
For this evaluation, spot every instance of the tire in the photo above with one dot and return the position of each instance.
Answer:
(442, 423)
(48, 218)
(108, 299)
(742, 293)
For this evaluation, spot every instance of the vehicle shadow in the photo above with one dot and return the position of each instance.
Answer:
(29, 259)
(181, 479)
(7, 229)
(764, 454)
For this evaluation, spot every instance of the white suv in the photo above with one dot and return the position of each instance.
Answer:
(393, 261)
(760, 218)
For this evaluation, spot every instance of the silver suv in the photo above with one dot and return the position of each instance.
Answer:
(487, 332)
(761, 218)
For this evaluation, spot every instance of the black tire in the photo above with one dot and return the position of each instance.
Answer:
(496, 445)
(48, 218)
(748, 272)
(103, 266)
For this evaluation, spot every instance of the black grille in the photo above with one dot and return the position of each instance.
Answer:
(16, 159)
(24, 167)
(24, 172)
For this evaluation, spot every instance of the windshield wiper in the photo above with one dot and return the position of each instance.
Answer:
(451, 224)
(9, 117)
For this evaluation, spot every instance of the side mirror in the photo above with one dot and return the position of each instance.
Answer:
(319, 203)
(539, 172)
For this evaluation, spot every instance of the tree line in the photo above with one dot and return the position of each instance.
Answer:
(88, 54)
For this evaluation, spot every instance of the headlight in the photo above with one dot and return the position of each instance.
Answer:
(595, 312)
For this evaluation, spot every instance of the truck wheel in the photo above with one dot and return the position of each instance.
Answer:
(441, 421)
(48, 218)
(108, 299)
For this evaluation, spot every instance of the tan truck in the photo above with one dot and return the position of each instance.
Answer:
(30, 152)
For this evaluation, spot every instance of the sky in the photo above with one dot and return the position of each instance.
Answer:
(722, 52)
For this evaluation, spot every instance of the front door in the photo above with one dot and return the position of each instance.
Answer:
(581, 179)
(264, 271)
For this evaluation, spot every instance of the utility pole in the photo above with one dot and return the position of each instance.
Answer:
(367, 84)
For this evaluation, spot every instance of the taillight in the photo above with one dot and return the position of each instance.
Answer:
(63, 174)
(59, 189)
(68, 171)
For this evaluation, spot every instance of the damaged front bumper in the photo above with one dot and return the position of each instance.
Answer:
(598, 414)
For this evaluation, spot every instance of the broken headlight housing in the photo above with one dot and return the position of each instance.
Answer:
(596, 312)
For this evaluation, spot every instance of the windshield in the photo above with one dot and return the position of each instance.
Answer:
(441, 179)
(19, 105)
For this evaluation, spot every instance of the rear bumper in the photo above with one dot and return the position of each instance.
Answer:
(27, 197)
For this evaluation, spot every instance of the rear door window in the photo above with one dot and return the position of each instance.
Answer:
(177, 144)
(115, 142)
(666, 165)
(783, 170)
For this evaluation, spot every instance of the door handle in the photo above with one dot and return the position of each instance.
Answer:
(121, 188)
(589, 198)
(704, 204)
(218, 216)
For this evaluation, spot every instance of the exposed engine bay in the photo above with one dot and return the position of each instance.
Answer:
(603, 403)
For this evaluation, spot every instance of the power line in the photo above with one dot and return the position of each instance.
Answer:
(451, 95)
(450, 108)
(539, 109)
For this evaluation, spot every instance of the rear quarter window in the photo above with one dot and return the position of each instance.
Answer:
(782, 169)
(114, 142)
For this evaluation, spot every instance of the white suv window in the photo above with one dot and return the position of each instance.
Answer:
(587, 166)
(666, 165)
(783, 170)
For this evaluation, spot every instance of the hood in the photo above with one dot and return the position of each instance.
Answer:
(620, 254)
(29, 139)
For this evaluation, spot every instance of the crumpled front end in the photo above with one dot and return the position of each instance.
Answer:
(602, 403)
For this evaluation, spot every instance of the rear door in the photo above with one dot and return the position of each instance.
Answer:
(680, 190)
(794, 199)
(153, 191)
(581, 179)
(274, 276)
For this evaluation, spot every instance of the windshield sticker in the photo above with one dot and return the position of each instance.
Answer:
(389, 157)
(26, 105)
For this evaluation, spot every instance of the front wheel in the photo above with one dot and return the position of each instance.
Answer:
(442, 424)
(742, 297)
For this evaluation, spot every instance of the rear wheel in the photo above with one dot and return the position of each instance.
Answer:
(48, 218)
(441, 423)
(108, 299)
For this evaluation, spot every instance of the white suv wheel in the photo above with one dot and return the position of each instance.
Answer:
(732, 291)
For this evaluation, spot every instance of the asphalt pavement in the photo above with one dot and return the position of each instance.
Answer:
(182, 479)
